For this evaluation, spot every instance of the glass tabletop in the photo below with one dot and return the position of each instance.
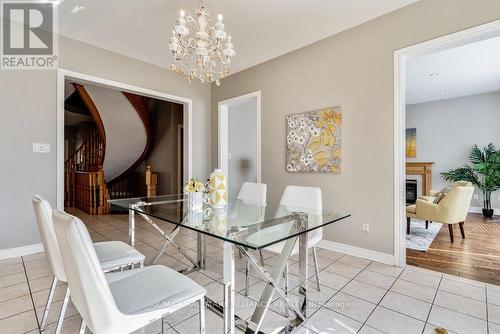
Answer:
(251, 225)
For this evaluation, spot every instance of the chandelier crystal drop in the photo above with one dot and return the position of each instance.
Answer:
(201, 51)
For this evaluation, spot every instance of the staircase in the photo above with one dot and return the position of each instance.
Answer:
(102, 168)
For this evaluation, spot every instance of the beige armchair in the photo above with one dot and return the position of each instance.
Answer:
(433, 193)
(452, 209)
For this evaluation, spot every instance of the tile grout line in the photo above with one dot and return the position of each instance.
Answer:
(340, 290)
(378, 304)
(432, 304)
(31, 295)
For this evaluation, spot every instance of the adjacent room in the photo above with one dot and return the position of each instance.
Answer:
(452, 131)
(257, 167)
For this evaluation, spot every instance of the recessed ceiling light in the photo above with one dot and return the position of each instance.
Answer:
(76, 9)
(433, 75)
(442, 91)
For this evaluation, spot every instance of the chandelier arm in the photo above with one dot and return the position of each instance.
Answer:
(221, 59)
(217, 47)
(184, 43)
(183, 54)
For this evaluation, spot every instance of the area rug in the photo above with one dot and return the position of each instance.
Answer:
(420, 238)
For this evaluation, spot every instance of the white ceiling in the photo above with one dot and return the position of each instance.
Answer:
(466, 70)
(261, 29)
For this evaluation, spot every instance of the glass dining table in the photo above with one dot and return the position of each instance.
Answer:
(245, 227)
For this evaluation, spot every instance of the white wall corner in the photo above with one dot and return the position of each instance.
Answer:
(20, 251)
(356, 251)
(476, 209)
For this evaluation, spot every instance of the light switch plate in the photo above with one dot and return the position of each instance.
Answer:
(41, 148)
(366, 227)
(476, 196)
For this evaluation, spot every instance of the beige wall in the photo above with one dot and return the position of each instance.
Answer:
(162, 158)
(353, 69)
(28, 111)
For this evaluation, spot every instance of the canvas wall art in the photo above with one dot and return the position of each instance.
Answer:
(411, 143)
(314, 142)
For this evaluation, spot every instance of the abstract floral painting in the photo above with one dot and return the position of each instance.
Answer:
(314, 142)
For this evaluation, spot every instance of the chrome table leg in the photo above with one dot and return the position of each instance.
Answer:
(228, 280)
(272, 286)
(316, 269)
(131, 227)
(303, 269)
(170, 239)
(202, 315)
(82, 327)
(285, 276)
(48, 304)
(201, 251)
(63, 312)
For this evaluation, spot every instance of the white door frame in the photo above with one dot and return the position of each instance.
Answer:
(63, 75)
(223, 108)
(468, 36)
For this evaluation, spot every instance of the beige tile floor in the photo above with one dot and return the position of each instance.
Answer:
(357, 295)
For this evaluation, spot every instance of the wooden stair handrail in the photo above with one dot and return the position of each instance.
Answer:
(87, 100)
(141, 106)
(88, 157)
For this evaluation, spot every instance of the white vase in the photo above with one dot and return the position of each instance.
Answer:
(195, 201)
(218, 189)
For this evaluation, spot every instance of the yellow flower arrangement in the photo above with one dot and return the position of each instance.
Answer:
(194, 186)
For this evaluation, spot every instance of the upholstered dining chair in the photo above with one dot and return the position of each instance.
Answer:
(120, 302)
(111, 254)
(451, 209)
(256, 194)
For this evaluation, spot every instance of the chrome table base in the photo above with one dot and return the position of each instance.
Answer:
(231, 320)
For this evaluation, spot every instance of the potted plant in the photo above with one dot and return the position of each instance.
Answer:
(484, 173)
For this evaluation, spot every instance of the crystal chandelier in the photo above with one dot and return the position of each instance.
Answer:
(199, 49)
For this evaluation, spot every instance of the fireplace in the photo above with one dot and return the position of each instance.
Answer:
(411, 191)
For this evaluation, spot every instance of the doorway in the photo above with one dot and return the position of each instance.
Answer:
(240, 140)
(183, 134)
(402, 59)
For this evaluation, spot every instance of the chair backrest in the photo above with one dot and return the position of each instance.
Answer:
(304, 199)
(90, 291)
(253, 193)
(456, 203)
(462, 184)
(43, 214)
(250, 206)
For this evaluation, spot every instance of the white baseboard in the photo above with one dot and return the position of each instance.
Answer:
(356, 251)
(476, 209)
(20, 251)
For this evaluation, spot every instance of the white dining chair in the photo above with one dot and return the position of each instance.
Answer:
(111, 254)
(120, 302)
(307, 200)
(253, 194)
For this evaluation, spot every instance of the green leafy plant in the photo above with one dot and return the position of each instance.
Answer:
(484, 172)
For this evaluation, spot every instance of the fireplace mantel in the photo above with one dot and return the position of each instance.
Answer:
(424, 169)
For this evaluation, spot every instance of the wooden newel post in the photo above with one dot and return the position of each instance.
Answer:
(103, 205)
(151, 182)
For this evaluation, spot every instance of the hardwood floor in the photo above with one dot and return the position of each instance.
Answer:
(475, 257)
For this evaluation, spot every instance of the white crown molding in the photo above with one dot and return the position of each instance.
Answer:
(20, 251)
(358, 252)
